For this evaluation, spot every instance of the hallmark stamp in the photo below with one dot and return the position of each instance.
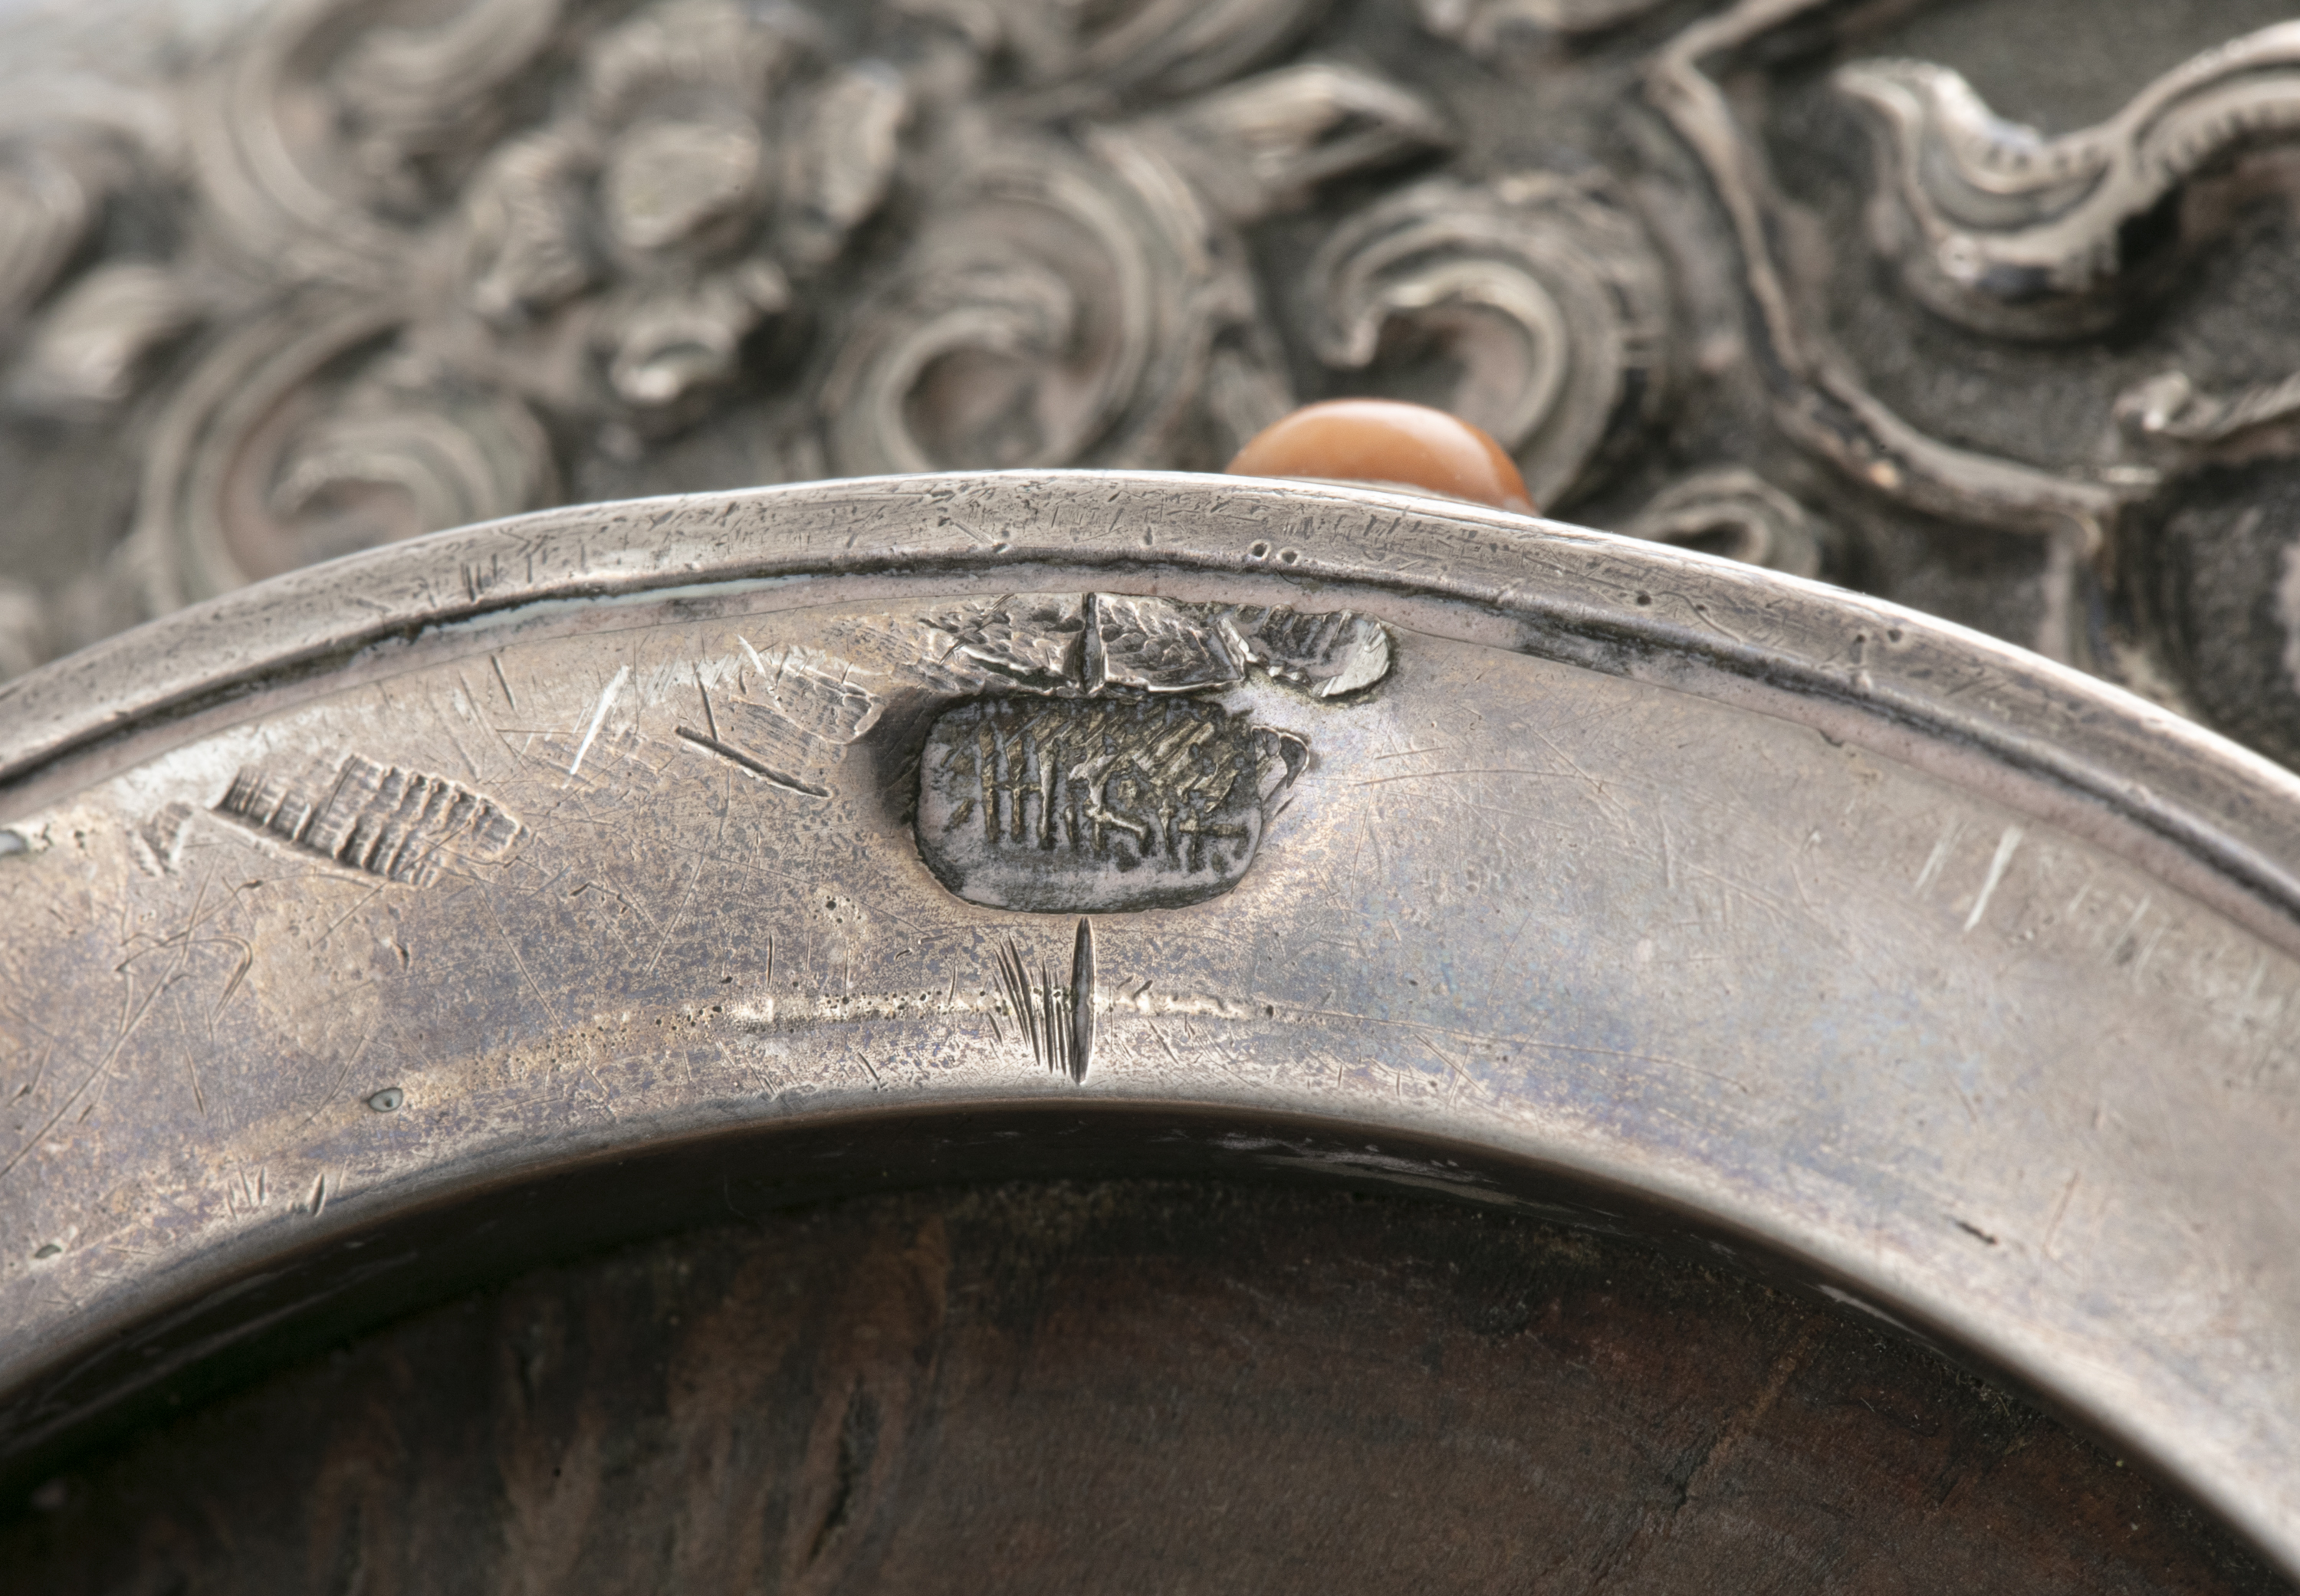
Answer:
(1097, 771)
(402, 825)
(1096, 805)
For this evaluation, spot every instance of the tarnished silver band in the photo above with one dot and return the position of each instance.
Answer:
(364, 901)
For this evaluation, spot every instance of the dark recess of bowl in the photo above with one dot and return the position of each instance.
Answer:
(1130, 1385)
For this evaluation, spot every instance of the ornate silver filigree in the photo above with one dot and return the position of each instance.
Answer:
(443, 272)
(1086, 300)
(1996, 226)
(1817, 400)
(351, 273)
(1541, 297)
(401, 315)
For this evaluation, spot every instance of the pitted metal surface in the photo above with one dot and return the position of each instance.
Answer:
(1639, 883)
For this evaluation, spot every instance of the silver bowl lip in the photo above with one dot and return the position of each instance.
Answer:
(2224, 819)
(2177, 800)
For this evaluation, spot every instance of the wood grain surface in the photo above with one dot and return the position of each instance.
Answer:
(1121, 1386)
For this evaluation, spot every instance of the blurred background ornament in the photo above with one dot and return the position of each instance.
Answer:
(284, 278)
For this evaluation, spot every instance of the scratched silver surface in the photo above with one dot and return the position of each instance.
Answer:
(1960, 981)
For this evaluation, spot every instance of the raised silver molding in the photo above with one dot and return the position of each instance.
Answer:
(1855, 945)
(1997, 226)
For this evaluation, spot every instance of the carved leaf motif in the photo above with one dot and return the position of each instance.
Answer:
(1079, 644)
(1158, 646)
(1532, 306)
(1034, 639)
(1330, 655)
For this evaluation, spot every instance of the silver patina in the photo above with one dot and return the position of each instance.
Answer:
(584, 852)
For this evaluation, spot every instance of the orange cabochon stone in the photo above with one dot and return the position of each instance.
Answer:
(1387, 441)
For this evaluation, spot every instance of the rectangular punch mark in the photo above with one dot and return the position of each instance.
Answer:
(402, 826)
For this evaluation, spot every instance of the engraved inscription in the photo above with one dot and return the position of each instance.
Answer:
(1096, 805)
(400, 825)
(1096, 775)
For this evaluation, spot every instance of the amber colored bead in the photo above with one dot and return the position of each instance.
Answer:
(1387, 442)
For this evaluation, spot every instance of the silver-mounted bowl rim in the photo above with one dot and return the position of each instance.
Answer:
(2171, 798)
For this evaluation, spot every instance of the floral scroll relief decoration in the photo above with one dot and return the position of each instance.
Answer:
(383, 274)
(2019, 236)
(416, 272)
(411, 274)
(1089, 300)
(404, 313)
(2006, 231)
(1539, 301)
(1995, 226)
